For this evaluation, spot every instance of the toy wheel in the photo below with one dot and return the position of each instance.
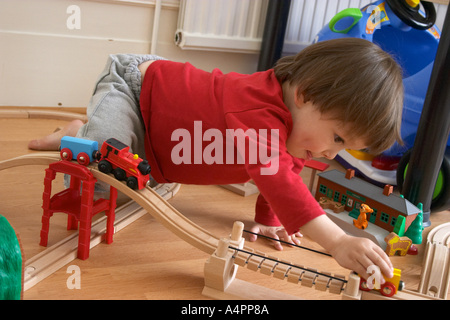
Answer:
(104, 166)
(96, 155)
(120, 174)
(363, 285)
(411, 15)
(83, 159)
(132, 182)
(401, 286)
(441, 194)
(387, 289)
(66, 154)
(144, 167)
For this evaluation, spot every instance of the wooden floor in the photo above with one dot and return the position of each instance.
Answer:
(146, 261)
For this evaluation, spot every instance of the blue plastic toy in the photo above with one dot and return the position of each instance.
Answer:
(83, 150)
(402, 29)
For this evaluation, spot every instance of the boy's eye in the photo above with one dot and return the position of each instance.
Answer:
(338, 139)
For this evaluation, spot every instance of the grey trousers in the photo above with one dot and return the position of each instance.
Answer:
(113, 111)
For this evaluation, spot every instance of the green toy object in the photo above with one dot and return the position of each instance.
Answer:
(414, 231)
(347, 18)
(399, 227)
(10, 263)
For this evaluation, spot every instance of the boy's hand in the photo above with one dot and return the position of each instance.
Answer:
(278, 233)
(358, 254)
(353, 253)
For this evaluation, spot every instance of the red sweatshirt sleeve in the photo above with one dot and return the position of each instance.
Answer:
(284, 197)
(264, 213)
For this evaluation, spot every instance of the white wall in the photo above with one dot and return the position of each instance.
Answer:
(44, 63)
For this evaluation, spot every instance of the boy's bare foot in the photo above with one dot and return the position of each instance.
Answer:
(53, 140)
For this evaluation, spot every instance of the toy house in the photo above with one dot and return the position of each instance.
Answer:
(351, 192)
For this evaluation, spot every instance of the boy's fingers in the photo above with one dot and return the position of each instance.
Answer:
(278, 245)
(253, 236)
(284, 236)
(296, 241)
(275, 234)
(375, 271)
(372, 275)
(296, 236)
(383, 262)
(386, 269)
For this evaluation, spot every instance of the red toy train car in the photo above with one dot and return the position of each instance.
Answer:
(116, 158)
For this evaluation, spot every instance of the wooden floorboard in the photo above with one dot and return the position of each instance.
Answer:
(146, 261)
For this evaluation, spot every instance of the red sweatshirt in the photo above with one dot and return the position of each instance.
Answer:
(196, 123)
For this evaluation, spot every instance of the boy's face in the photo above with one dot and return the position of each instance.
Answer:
(314, 135)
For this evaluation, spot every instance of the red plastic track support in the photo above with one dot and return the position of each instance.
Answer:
(77, 202)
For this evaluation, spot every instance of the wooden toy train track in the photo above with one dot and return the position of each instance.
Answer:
(63, 252)
(224, 257)
(152, 202)
(435, 270)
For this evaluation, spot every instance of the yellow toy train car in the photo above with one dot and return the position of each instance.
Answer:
(389, 288)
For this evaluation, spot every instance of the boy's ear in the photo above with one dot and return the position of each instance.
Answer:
(299, 98)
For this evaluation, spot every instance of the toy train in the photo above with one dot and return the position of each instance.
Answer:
(84, 151)
(387, 289)
(113, 157)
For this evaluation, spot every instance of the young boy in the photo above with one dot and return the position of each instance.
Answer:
(212, 128)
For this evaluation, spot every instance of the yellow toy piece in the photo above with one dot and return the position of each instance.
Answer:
(360, 155)
(413, 3)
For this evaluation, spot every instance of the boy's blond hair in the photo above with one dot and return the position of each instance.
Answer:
(353, 80)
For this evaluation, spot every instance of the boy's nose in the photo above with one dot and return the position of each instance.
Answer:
(330, 155)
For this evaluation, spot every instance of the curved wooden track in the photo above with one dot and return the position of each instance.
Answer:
(32, 113)
(436, 264)
(147, 198)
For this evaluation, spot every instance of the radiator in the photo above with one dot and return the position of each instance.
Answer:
(221, 25)
(238, 25)
(307, 18)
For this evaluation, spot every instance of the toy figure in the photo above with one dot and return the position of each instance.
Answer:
(361, 222)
